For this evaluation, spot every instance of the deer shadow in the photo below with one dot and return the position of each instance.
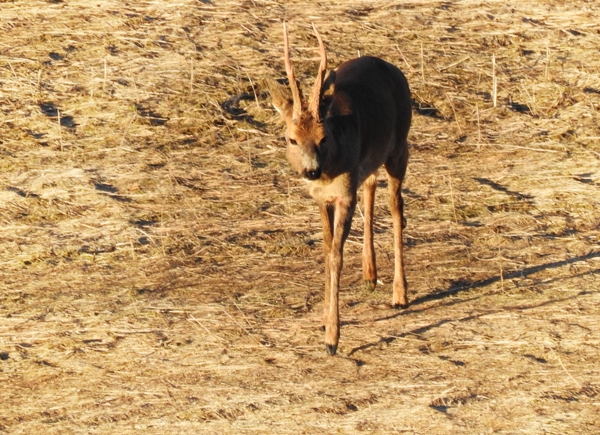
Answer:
(465, 286)
(522, 273)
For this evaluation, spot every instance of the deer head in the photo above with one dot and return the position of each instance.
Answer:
(305, 133)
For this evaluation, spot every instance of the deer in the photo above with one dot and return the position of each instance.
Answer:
(355, 120)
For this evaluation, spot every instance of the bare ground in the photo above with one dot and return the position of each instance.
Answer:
(161, 266)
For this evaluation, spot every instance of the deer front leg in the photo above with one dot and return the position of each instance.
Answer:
(343, 212)
(326, 212)
(368, 256)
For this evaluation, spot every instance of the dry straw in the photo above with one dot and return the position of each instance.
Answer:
(162, 266)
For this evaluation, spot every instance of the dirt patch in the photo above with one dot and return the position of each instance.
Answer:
(161, 265)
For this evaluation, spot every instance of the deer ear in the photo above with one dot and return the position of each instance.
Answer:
(281, 97)
(327, 93)
(328, 88)
(335, 104)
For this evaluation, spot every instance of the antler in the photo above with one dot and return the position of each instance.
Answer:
(315, 96)
(296, 94)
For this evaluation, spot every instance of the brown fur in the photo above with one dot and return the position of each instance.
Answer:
(361, 124)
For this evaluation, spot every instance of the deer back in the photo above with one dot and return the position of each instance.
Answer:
(365, 113)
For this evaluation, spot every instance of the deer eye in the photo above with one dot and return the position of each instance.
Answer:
(293, 142)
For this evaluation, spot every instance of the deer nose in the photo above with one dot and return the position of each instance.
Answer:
(312, 174)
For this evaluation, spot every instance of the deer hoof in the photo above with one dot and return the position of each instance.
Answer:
(331, 349)
(400, 306)
(370, 284)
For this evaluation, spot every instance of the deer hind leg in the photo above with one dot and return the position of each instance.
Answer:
(342, 220)
(396, 169)
(368, 255)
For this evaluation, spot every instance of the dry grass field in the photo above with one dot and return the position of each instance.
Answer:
(161, 266)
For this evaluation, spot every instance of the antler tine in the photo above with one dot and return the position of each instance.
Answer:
(315, 96)
(296, 94)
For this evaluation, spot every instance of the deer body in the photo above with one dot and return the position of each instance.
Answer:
(356, 121)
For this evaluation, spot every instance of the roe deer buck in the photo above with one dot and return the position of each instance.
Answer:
(356, 120)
